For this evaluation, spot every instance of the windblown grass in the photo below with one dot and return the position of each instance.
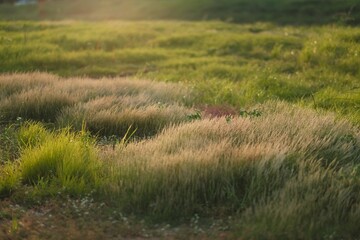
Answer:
(247, 167)
(317, 204)
(105, 106)
(282, 171)
(217, 163)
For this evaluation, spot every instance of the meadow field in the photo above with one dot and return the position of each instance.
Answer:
(202, 120)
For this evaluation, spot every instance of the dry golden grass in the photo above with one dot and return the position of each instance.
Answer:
(293, 164)
(231, 165)
(281, 129)
(106, 106)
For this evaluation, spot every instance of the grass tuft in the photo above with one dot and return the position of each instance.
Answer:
(66, 159)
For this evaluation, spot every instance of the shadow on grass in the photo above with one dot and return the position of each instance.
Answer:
(283, 12)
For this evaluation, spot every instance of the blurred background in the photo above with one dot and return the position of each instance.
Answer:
(298, 12)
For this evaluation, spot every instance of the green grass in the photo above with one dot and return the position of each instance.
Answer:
(238, 65)
(254, 125)
(68, 161)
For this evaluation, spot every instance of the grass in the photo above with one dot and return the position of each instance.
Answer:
(67, 161)
(248, 167)
(221, 164)
(237, 65)
(277, 11)
(166, 129)
(106, 107)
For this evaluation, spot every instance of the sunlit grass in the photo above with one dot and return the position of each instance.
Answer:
(259, 122)
(245, 166)
(214, 161)
(225, 63)
(104, 106)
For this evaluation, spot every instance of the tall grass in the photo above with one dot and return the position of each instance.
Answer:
(315, 205)
(230, 165)
(290, 163)
(284, 172)
(146, 121)
(38, 104)
(105, 106)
